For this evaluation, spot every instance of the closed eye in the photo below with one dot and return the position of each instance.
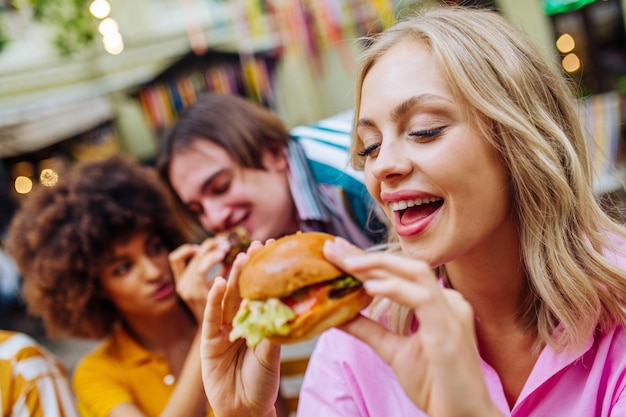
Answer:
(369, 150)
(427, 133)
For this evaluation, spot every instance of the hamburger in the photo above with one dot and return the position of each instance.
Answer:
(291, 293)
(239, 240)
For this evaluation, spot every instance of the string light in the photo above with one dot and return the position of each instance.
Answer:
(48, 177)
(571, 63)
(23, 185)
(112, 40)
(565, 43)
(99, 9)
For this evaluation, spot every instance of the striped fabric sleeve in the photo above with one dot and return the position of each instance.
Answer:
(325, 145)
(33, 382)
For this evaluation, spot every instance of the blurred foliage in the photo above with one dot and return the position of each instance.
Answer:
(4, 38)
(74, 27)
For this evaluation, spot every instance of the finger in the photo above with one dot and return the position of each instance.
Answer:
(268, 355)
(233, 299)
(215, 247)
(461, 308)
(206, 262)
(401, 291)
(212, 322)
(212, 243)
(179, 258)
(209, 265)
(375, 335)
(380, 265)
(339, 245)
(432, 306)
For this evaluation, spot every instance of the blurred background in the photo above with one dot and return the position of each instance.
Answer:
(82, 79)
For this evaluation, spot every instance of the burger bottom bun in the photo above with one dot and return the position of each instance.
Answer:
(330, 313)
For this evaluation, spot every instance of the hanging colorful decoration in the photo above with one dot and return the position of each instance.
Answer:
(551, 7)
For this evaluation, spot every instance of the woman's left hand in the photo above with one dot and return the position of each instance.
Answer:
(438, 366)
(238, 381)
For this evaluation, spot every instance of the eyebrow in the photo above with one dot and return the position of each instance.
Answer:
(111, 260)
(206, 183)
(401, 109)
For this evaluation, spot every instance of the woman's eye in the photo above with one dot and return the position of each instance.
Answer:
(369, 151)
(426, 134)
(122, 269)
(155, 247)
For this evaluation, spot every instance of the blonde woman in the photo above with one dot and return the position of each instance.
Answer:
(509, 296)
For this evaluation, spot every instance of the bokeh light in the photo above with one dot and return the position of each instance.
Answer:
(49, 177)
(99, 9)
(23, 185)
(571, 63)
(565, 43)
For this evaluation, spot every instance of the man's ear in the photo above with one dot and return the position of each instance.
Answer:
(274, 159)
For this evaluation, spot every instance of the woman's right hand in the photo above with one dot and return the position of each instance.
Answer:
(238, 381)
(194, 267)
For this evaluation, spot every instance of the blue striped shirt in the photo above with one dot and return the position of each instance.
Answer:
(330, 195)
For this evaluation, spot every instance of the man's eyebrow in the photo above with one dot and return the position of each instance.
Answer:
(206, 183)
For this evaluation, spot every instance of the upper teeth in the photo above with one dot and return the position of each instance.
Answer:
(402, 205)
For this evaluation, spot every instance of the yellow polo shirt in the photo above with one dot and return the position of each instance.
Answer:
(121, 371)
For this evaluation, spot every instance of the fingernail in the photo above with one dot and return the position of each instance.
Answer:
(373, 284)
(352, 260)
(342, 243)
(338, 245)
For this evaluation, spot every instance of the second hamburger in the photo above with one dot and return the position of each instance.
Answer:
(291, 293)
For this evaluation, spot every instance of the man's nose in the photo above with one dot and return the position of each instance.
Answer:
(214, 216)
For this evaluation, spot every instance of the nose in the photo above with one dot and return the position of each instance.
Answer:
(151, 268)
(391, 162)
(214, 215)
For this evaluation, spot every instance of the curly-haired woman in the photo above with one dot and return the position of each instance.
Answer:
(93, 251)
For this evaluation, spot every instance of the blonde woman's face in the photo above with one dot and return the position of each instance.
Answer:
(436, 177)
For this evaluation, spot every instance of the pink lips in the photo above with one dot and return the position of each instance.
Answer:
(164, 291)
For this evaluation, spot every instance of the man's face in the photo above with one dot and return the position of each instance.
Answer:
(222, 194)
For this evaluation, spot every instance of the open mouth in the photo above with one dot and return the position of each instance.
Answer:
(410, 211)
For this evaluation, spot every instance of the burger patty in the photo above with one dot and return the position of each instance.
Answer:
(307, 297)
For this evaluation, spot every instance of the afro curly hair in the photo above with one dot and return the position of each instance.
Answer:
(59, 234)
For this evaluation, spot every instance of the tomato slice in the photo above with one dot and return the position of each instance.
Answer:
(301, 302)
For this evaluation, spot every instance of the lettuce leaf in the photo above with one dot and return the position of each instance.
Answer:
(258, 319)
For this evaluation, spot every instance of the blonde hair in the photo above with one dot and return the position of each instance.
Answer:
(527, 109)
